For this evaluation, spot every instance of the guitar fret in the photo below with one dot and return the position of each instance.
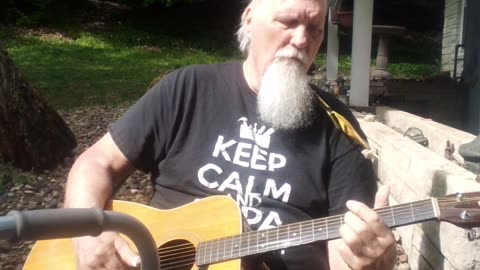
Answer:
(263, 243)
(293, 238)
(319, 230)
(255, 244)
(334, 229)
(232, 244)
(205, 253)
(283, 236)
(243, 244)
(236, 246)
(300, 232)
(224, 246)
(208, 251)
(211, 251)
(245, 248)
(198, 255)
(218, 247)
(312, 228)
(272, 236)
(306, 232)
(249, 245)
(392, 213)
(294, 234)
(413, 213)
(326, 226)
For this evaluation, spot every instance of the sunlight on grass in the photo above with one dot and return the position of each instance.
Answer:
(398, 70)
(90, 41)
(84, 69)
(413, 71)
(77, 68)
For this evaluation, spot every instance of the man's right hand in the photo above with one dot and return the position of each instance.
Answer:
(90, 185)
(107, 251)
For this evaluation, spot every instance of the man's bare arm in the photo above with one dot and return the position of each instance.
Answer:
(90, 184)
(95, 173)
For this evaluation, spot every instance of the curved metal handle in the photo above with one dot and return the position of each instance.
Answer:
(75, 222)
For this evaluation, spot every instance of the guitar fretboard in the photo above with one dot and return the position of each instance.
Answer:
(295, 234)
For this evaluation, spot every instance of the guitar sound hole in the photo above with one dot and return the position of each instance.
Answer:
(177, 255)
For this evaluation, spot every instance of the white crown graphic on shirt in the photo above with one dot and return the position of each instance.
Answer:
(259, 136)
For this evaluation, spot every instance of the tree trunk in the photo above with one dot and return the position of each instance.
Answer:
(32, 134)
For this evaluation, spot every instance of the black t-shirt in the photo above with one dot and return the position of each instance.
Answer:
(197, 132)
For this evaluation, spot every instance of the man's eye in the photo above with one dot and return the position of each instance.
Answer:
(289, 22)
(315, 31)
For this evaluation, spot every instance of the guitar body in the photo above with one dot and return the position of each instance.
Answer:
(209, 218)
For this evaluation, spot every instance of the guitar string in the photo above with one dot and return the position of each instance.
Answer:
(397, 211)
(333, 219)
(268, 247)
(399, 218)
(388, 218)
(307, 235)
(175, 252)
(228, 257)
(179, 259)
(176, 265)
(335, 223)
(331, 223)
(175, 247)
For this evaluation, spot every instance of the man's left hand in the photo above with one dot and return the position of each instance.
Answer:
(367, 242)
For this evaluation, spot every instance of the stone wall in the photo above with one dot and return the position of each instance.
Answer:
(437, 134)
(413, 173)
(452, 35)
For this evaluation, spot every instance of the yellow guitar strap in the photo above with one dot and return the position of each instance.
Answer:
(343, 124)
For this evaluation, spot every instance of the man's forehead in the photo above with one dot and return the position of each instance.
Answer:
(320, 1)
(321, 5)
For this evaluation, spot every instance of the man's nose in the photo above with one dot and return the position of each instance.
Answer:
(299, 37)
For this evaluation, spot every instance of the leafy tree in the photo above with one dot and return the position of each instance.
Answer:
(35, 12)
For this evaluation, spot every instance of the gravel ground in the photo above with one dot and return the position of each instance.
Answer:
(46, 189)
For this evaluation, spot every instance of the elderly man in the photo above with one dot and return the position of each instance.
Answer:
(251, 130)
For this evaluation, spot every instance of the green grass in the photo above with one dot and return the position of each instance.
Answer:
(413, 71)
(397, 70)
(89, 68)
(412, 56)
(80, 68)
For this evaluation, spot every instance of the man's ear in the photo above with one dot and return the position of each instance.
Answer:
(247, 16)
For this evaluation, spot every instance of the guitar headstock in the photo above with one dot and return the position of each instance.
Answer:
(462, 209)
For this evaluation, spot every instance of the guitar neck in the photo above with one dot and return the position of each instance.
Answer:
(295, 234)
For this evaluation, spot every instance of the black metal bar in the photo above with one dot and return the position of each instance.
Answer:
(455, 61)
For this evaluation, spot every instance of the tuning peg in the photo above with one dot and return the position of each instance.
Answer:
(460, 197)
(472, 234)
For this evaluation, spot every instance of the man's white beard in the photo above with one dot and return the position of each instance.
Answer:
(285, 100)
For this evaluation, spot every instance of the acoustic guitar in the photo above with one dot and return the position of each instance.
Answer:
(209, 232)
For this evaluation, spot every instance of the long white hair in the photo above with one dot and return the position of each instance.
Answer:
(242, 36)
